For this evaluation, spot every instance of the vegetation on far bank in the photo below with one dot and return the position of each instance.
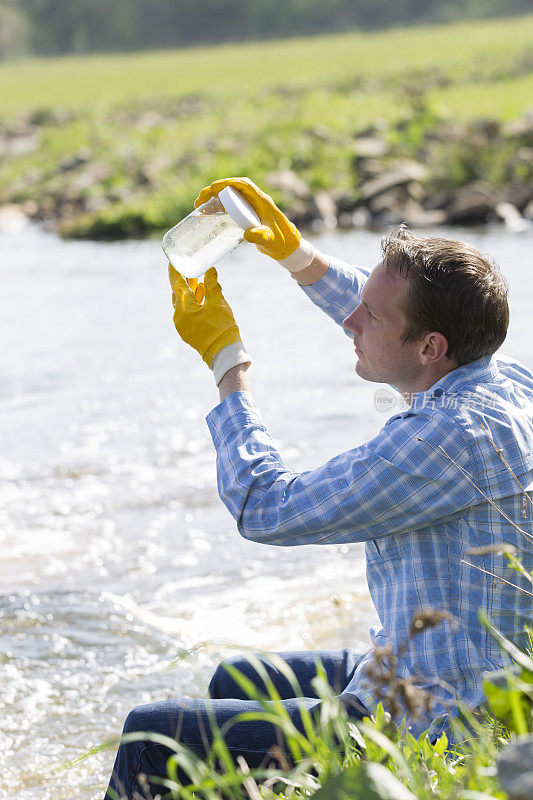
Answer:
(120, 145)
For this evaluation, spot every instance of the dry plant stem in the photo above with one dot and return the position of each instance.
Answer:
(441, 449)
(393, 691)
(249, 783)
(527, 498)
(506, 549)
(277, 753)
(497, 577)
(428, 618)
(143, 783)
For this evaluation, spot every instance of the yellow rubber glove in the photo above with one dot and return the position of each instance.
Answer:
(276, 237)
(205, 321)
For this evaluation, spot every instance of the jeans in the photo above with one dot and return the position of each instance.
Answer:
(189, 721)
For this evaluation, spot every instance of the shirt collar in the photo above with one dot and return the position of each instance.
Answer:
(479, 371)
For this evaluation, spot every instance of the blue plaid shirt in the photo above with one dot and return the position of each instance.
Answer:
(420, 496)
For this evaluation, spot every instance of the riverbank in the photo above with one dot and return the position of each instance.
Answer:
(398, 126)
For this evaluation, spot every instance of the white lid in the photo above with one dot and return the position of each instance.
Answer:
(238, 208)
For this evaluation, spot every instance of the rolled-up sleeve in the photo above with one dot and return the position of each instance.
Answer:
(338, 292)
(399, 481)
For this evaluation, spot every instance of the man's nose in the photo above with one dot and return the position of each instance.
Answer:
(350, 322)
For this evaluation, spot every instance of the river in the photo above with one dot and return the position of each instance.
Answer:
(124, 578)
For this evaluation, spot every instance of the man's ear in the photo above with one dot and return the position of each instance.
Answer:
(434, 347)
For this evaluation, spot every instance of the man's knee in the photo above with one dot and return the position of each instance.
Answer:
(138, 720)
(223, 685)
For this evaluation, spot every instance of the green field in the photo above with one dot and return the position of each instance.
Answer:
(160, 125)
(461, 51)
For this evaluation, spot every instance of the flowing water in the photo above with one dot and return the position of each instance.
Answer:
(124, 579)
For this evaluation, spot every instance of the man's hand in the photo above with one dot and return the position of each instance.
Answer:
(276, 237)
(205, 321)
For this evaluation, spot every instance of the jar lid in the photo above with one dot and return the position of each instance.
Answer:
(238, 208)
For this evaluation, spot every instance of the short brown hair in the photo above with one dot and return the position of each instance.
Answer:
(454, 290)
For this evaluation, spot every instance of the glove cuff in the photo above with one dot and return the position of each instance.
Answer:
(226, 337)
(300, 258)
(229, 357)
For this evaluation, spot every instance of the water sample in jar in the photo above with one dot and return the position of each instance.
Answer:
(209, 233)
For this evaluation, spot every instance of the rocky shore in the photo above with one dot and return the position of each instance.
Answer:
(424, 192)
(422, 170)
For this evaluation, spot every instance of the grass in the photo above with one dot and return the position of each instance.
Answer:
(503, 100)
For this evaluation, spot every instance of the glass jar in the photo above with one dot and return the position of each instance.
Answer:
(209, 233)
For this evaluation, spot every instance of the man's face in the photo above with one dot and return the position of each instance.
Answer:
(378, 325)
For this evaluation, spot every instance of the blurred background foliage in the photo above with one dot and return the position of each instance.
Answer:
(54, 27)
(119, 144)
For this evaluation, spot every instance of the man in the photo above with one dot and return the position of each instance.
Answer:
(433, 496)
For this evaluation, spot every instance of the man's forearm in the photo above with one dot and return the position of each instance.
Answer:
(235, 380)
(316, 270)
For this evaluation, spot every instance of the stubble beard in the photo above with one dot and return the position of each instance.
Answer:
(365, 372)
